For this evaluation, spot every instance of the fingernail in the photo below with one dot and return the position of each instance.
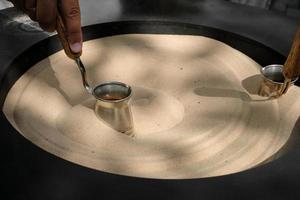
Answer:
(76, 47)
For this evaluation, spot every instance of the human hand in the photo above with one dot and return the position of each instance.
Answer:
(45, 13)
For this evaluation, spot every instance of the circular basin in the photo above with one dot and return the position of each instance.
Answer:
(194, 105)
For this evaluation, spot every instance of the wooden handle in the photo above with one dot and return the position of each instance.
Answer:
(62, 34)
(292, 65)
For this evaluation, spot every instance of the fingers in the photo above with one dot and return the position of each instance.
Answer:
(71, 16)
(46, 11)
(18, 4)
(29, 4)
(30, 8)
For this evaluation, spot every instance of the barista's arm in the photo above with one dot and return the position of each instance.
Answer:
(45, 13)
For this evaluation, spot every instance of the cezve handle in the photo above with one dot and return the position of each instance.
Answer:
(291, 68)
(62, 34)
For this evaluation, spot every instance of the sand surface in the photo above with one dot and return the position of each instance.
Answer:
(194, 107)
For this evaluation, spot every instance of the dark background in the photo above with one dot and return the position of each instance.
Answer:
(289, 8)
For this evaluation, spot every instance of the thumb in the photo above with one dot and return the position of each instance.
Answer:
(71, 15)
